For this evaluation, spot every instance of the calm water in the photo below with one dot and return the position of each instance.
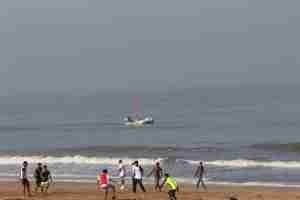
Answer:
(246, 134)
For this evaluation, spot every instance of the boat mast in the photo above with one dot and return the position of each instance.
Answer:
(136, 106)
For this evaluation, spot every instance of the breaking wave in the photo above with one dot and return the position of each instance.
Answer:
(241, 163)
(78, 159)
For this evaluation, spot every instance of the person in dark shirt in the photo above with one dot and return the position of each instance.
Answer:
(46, 179)
(157, 173)
(200, 174)
(38, 177)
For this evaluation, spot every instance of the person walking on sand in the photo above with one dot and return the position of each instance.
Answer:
(38, 177)
(46, 179)
(157, 173)
(24, 179)
(172, 185)
(200, 175)
(138, 173)
(132, 174)
(103, 182)
(122, 174)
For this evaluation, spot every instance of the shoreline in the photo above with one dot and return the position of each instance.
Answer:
(87, 191)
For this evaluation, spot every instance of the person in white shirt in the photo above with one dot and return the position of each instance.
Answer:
(137, 174)
(24, 179)
(122, 174)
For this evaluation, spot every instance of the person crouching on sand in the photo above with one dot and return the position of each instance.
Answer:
(46, 179)
(38, 177)
(103, 183)
(172, 185)
(24, 179)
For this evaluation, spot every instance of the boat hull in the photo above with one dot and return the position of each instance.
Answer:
(140, 123)
(134, 124)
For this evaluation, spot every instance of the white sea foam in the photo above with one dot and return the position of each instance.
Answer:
(240, 163)
(78, 159)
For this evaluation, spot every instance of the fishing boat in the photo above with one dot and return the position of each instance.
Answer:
(137, 121)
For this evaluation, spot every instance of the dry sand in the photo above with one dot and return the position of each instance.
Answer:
(83, 191)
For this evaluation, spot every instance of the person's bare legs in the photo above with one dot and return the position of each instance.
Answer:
(106, 193)
(106, 190)
(203, 185)
(200, 180)
(113, 188)
(122, 187)
(172, 195)
(140, 182)
(38, 186)
(45, 187)
(26, 188)
(156, 182)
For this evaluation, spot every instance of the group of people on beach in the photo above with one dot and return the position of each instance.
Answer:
(105, 183)
(137, 173)
(43, 179)
(41, 175)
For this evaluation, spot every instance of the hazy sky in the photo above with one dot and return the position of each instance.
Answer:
(95, 44)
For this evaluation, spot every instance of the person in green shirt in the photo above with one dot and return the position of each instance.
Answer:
(172, 185)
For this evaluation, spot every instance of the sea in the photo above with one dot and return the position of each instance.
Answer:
(244, 134)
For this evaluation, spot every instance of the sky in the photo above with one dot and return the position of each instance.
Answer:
(65, 45)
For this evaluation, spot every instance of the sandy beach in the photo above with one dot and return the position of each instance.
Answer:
(87, 191)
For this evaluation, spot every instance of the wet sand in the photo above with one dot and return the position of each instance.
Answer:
(87, 191)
